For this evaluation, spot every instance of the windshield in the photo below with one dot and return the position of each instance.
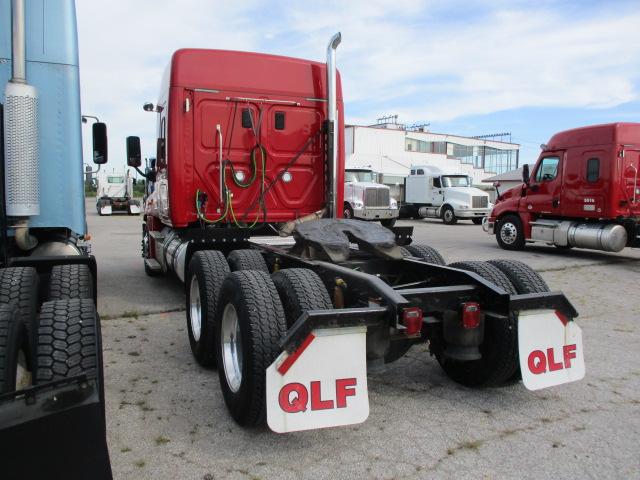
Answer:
(456, 181)
(115, 179)
(359, 176)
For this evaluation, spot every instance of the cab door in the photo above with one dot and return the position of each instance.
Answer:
(437, 191)
(544, 192)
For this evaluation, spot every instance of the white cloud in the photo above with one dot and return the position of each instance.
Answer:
(426, 60)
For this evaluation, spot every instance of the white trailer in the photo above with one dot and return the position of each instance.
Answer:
(115, 193)
(433, 193)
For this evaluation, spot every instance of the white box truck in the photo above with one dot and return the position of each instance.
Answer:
(432, 193)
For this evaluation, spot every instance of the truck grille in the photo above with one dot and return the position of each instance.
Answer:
(376, 197)
(480, 202)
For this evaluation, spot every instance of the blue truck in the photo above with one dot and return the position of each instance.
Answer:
(52, 408)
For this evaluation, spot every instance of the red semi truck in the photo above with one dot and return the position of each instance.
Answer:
(582, 192)
(287, 299)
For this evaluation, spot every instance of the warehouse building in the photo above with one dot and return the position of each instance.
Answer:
(390, 148)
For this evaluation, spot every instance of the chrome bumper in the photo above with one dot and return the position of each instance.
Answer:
(375, 213)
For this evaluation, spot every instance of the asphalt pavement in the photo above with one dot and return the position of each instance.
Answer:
(167, 419)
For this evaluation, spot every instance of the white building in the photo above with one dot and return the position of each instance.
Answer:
(390, 149)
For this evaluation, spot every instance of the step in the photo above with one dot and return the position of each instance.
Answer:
(153, 265)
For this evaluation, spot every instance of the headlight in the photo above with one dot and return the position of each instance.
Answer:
(394, 203)
(358, 204)
(464, 207)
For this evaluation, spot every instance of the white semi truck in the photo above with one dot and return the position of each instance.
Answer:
(432, 193)
(115, 193)
(366, 199)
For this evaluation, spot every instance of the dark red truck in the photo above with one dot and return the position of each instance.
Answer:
(582, 192)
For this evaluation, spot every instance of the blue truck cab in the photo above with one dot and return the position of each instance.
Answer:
(52, 410)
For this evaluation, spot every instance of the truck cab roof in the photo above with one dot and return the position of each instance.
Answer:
(247, 72)
(623, 133)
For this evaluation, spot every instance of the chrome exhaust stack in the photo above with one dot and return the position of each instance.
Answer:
(22, 172)
(333, 128)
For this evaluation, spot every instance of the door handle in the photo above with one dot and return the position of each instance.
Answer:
(555, 202)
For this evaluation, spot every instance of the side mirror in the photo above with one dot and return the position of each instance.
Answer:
(100, 154)
(525, 173)
(134, 158)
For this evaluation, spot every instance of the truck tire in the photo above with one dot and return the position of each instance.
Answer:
(448, 215)
(477, 220)
(15, 353)
(426, 253)
(70, 281)
(20, 285)
(67, 340)
(510, 233)
(247, 260)
(207, 271)
(388, 223)
(526, 280)
(499, 348)
(347, 212)
(250, 322)
(300, 290)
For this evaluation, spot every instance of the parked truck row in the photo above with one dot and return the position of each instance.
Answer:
(288, 293)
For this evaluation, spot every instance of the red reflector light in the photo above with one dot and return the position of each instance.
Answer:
(471, 314)
(412, 320)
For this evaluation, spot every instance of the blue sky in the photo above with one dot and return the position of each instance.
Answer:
(468, 68)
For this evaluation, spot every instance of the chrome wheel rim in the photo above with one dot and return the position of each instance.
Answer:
(231, 347)
(448, 215)
(347, 213)
(195, 308)
(508, 233)
(23, 375)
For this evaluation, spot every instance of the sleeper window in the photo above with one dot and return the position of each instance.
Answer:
(593, 170)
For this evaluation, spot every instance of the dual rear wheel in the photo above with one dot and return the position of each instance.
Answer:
(236, 315)
(500, 363)
(58, 341)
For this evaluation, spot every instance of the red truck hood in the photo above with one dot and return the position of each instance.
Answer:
(508, 201)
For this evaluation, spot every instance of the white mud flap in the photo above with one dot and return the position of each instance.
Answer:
(322, 384)
(106, 210)
(551, 350)
(134, 209)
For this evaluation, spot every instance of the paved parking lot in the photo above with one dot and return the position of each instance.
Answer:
(166, 417)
